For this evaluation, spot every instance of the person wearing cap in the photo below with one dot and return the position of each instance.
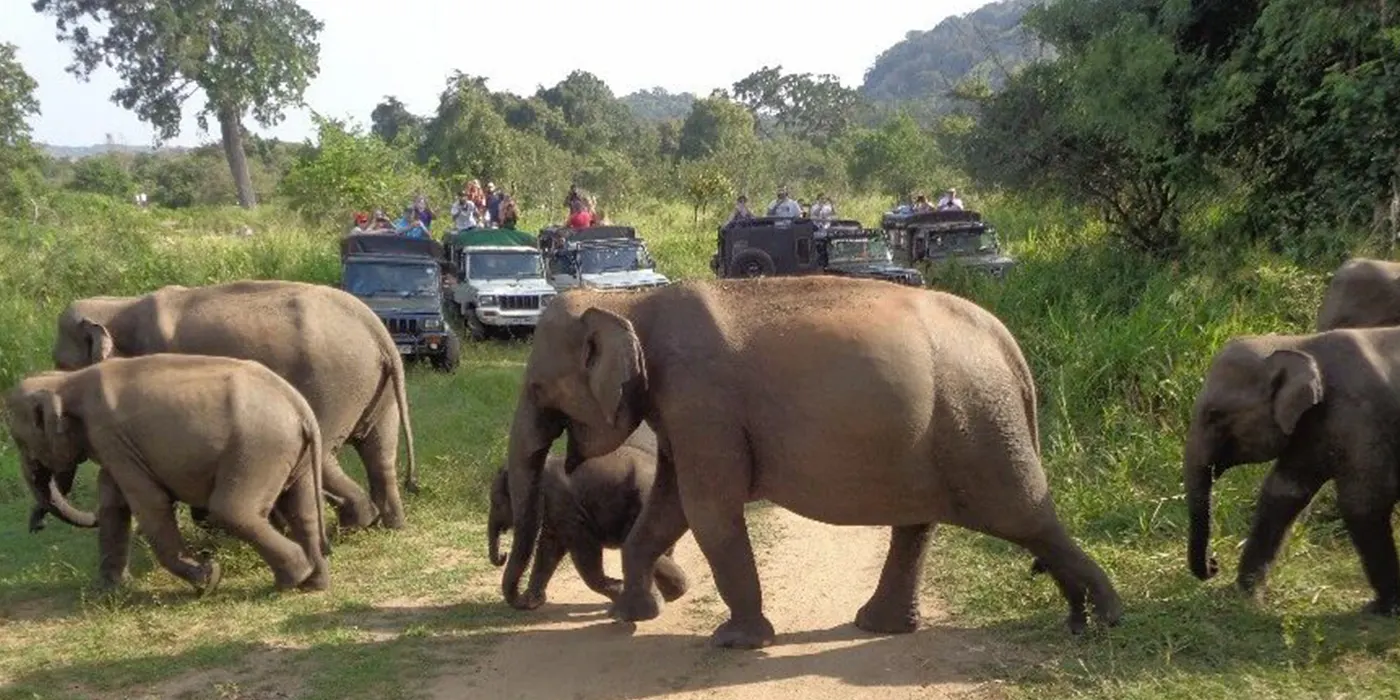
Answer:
(361, 224)
(784, 206)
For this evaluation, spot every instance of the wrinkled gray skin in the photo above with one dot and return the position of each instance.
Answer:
(1324, 406)
(583, 513)
(1363, 293)
(325, 342)
(847, 401)
(226, 435)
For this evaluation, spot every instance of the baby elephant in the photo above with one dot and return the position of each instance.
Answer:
(1323, 406)
(226, 435)
(584, 512)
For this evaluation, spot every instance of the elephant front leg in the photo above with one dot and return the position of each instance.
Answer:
(1281, 497)
(655, 532)
(548, 554)
(587, 556)
(114, 533)
(894, 607)
(155, 514)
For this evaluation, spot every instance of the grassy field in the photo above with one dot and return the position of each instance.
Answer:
(1117, 343)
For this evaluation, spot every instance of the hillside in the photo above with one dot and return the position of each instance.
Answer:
(927, 64)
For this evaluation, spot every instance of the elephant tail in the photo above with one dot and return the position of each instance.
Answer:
(394, 365)
(312, 432)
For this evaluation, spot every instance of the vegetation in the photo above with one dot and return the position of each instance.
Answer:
(1137, 173)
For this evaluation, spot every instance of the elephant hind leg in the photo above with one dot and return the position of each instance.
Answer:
(671, 580)
(242, 509)
(894, 607)
(297, 507)
(378, 451)
(353, 508)
(1080, 579)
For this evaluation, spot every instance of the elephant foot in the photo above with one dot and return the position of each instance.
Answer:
(210, 573)
(351, 517)
(672, 588)
(1388, 607)
(529, 600)
(744, 634)
(108, 582)
(631, 607)
(391, 519)
(319, 580)
(612, 588)
(36, 519)
(888, 619)
(1249, 586)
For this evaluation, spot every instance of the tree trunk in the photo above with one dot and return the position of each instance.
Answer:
(232, 132)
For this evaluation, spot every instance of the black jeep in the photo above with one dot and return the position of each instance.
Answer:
(958, 235)
(774, 246)
(401, 280)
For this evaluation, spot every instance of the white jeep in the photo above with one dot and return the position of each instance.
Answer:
(500, 287)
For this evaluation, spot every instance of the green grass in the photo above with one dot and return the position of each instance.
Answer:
(1117, 343)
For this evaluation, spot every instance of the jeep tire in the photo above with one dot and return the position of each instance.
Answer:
(475, 327)
(752, 263)
(451, 355)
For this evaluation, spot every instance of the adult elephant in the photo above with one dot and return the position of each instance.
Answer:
(1363, 293)
(848, 401)
(323, 341)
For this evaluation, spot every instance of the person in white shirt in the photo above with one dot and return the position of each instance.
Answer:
(784, 206)
(950, 201)
(464, 213)
(823, 209)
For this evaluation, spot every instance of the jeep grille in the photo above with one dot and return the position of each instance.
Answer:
(519, 302)
(402, 326)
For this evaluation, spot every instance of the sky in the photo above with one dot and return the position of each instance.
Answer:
(407, 48)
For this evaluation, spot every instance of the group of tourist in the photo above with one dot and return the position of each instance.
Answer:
(582, 212)
(821, 209)
(475, 207)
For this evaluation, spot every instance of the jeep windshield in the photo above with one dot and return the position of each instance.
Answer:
(962, 242)
(846, 251)
(383, 279)
(509, 266)
(613, 259)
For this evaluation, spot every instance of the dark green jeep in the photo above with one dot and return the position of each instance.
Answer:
(401, 279)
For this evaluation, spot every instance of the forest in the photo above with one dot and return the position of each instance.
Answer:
(1169, 174)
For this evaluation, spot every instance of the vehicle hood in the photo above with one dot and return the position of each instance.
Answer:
(623, 279)
(881, 270)
(980, 260)
(527, 285)
(398, 305)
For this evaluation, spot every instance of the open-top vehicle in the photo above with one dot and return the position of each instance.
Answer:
(401, 280)
(774, 246)
(500, 280)
(957, 235)
(598, 257)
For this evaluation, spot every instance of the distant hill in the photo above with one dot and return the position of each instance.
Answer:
(923, 67)
(80, 152)
(658, 105)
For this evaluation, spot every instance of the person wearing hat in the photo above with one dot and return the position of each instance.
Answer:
(784, 206)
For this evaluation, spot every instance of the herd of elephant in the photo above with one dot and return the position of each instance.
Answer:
(847, 401)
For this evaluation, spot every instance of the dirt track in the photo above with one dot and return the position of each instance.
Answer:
(814, 577)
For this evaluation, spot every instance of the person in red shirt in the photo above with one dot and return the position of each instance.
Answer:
(581, 218)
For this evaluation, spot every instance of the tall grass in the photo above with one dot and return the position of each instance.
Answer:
(1118, 344)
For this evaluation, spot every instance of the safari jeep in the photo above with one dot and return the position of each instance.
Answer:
(598, 257)
(501, 283)
(400, 279)
(948, 236)
(776, 246)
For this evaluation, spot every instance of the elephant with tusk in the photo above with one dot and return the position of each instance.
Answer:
(222, 434)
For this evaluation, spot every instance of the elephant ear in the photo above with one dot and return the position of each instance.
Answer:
(48, 415)
(1296, 382)
(612, 360)
(99, 340)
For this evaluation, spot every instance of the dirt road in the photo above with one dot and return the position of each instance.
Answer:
(814, 576)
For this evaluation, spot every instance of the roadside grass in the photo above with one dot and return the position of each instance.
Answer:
(1118, 345)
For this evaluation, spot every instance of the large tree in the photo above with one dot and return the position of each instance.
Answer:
(245, 56)
(19, 171)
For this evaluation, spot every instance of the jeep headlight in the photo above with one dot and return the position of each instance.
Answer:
(545, 299)
(432, 324)
(487, 300)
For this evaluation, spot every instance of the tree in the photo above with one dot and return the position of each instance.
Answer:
(102, 174)
(19, 161)
(714, 123)
(391, 119)
(349, 171)
(594, 116)
(467, 137)
(245, 56)
(813, 107)
(897, 157)
(705, 183)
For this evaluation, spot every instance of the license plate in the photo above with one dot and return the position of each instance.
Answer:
(405, 349)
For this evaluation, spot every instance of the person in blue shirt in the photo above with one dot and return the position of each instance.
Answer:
(411, 226)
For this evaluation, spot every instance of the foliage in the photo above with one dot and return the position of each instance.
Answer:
(103, 175)
(351, 171)
(392, 122)
(815, 108)
(20, 178)
(714, 124)
(244, 55)
(897, 158)
(705, 184)
(658, 104)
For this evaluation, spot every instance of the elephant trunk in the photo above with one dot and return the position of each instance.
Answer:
(494, 543)
(51, 499)
(1200, 477)
(532, 433)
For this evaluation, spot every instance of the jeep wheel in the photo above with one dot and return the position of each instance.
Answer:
(446, 361)
(475, 327)
(751, 263)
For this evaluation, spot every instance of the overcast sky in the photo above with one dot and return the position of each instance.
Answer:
(630, 44)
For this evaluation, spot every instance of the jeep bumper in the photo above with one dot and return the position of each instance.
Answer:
(491, 316)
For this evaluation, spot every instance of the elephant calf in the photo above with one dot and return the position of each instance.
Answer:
(1363, 293)
(226, 435)
(584, 512)
(1324, 406)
